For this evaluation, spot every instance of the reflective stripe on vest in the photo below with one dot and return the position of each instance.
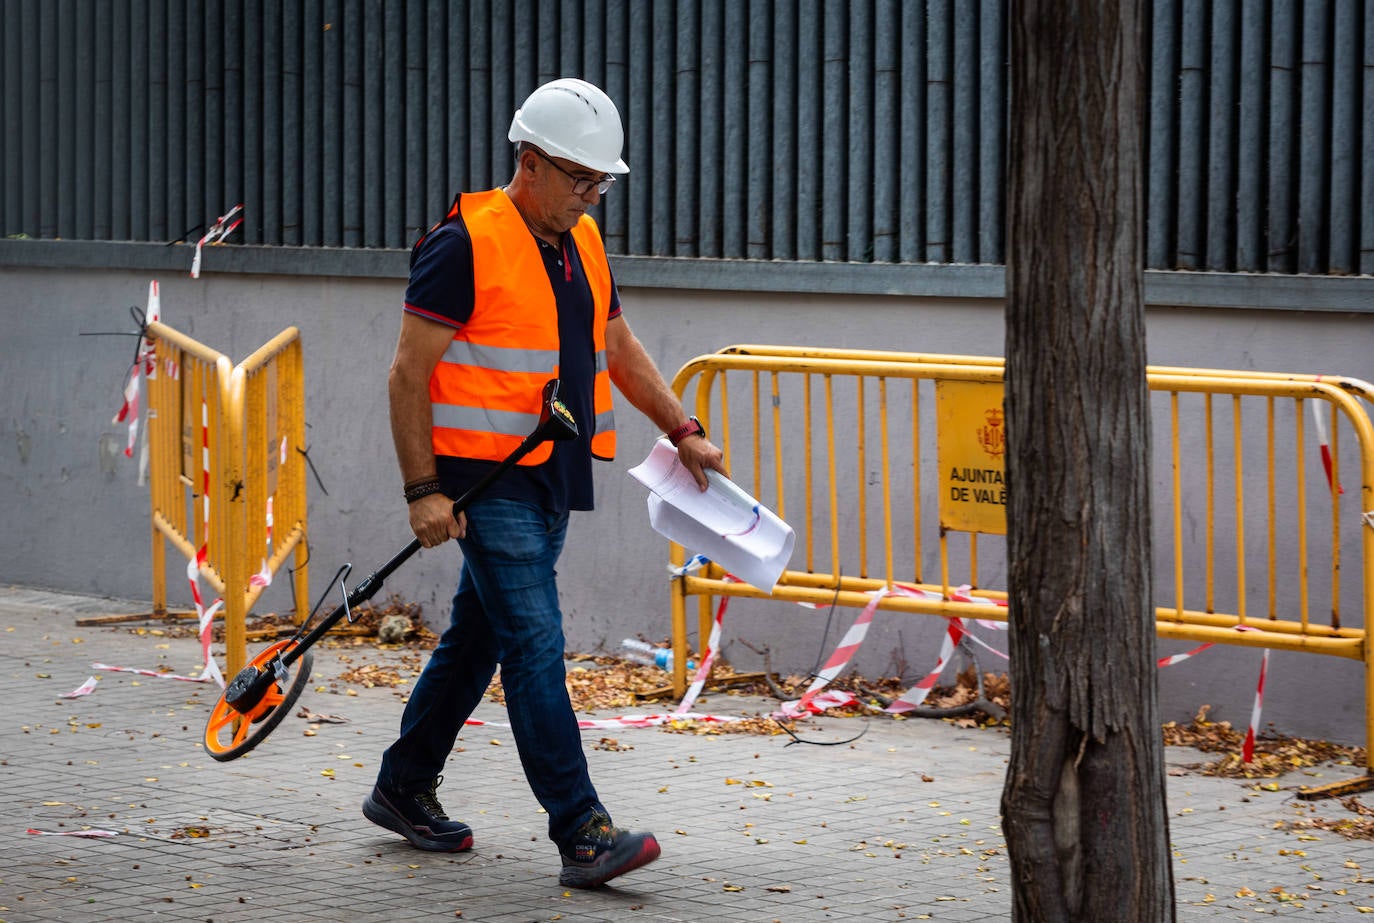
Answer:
(487, 387)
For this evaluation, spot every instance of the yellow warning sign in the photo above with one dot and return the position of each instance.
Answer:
(972, 456)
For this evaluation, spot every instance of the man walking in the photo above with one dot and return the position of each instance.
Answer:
(512, 288)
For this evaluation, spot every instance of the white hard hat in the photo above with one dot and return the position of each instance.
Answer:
(575, 120)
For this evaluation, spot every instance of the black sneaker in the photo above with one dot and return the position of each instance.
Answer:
(600, 851)
(419, 818)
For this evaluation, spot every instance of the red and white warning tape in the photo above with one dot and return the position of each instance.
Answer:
(218, 231)
(1325, 445)
(1179, 658)
(80, 833)
(153, 673)
(1247, 750)
(204, 614)
(85, 688)
(708, 657)
(143, 366)
(623, 721)
(913, 697)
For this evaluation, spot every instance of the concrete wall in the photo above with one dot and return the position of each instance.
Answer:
(76, 519)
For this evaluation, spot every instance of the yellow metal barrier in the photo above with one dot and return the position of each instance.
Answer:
(222, 445)
(817, 419)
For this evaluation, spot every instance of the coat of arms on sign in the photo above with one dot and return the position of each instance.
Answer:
(992, 435)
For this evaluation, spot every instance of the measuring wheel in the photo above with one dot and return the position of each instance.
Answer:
(232, 732)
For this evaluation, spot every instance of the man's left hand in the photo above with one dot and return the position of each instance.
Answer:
(697, 453)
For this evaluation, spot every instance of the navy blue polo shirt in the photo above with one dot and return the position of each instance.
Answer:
(441, 289)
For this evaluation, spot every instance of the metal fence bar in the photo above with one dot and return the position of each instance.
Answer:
(939, 114)
(363, 187)
(911, 111)
(1221, 133)
(859, 191)
(1345, 138)
(1367, 151)
(1314, 137)
(1283, 69)
(963, 189)
(786, 142)
(1251, 140)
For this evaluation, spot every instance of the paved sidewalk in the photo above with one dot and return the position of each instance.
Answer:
(901, 824)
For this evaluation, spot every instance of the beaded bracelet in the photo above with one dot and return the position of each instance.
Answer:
(421, 487)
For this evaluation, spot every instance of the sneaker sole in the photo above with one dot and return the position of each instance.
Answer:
(610, 866)
(383, 816)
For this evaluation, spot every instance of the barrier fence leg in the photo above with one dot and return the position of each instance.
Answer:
(1364, 783)
(679, 613)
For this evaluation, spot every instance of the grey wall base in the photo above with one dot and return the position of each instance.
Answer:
(76, 519)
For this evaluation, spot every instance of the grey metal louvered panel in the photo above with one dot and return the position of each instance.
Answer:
(1366, 201)
(850, 130)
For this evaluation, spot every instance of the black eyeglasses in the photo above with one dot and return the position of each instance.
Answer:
(580, 183)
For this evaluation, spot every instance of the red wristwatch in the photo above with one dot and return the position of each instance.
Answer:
(692, 427)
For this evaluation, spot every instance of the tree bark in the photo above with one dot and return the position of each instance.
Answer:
(1084, 801)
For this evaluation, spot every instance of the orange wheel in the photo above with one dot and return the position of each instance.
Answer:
(229, 734)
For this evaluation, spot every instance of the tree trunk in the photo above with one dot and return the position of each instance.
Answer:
(1084, 802)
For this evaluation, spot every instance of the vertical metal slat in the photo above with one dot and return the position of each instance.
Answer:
(810, 228)
(886, 150)
(859, 132)
(834, 138)
(1283, 69)
(735, 160)
(992, 132)
(1251, 139)
(1162, 134)
(272, 86)
(687, 103)
(912, 116)
(759, 176)
(1344, 139)
(783, 229)
(1221, 98)
(963, 191)
(1192, 194)
(659, 92)
(1314, 137)
(939, 115)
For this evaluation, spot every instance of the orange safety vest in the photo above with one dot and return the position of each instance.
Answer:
(486, 389)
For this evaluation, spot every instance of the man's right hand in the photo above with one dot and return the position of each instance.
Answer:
(432, 521)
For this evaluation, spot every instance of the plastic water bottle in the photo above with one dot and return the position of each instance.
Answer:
(651, 654)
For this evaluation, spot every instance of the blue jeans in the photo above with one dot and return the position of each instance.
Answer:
(505, 611)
